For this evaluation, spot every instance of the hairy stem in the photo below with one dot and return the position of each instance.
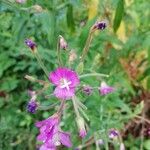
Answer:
(37, 56)
(87, 45)
(58, 52)
(75, 105)
(93, 74)
(60, 110)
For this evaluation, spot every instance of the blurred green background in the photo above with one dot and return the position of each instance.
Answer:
(122, 51)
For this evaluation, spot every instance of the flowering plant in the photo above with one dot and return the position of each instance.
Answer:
(66, 83)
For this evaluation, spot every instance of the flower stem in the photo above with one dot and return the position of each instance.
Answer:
(93, 74)
(58, 52)
(37, 56)
(60, 110)
(75, 106)
(87, 44)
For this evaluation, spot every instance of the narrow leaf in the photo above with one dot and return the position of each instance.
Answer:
(118, 15)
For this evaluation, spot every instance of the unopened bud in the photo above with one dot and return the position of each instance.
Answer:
(37, 8)
(81, 127)
(30, 44)
(20, 1)
(100, 25)
(122, 147)
(72, 56)
(87, 89)
(63, 43)
(32, 106)
(30, 78)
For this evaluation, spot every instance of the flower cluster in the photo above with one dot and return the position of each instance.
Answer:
(65, 83)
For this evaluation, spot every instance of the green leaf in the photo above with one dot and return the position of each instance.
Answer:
(147, 144)
(118, 15)
(70, 19)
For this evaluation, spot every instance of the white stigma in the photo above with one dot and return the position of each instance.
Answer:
(65, 84)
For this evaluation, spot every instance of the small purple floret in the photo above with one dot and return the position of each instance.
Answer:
(30, 44)
(113, 134)
(32, 106)
(101, 25)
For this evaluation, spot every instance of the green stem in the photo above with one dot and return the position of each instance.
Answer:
(37, 56)
(87, 45)
(93, 74)
(58, 52)
(60, 110)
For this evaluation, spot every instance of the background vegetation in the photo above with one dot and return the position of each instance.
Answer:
(122, 51)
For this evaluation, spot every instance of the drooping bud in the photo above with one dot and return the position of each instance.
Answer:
(62, 43)
(30, 44)
(87, 89)
(104, 89)
(81, 127)
(100, 25)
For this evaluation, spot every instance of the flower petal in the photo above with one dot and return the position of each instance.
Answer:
(63, 93)
(65, 139)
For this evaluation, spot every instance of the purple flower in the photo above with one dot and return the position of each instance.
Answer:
(101, 25)
(113, 133)
(65, 81)
(30, 44)
(63, 43)
(87, 90)
(51, 135)
(105, 89)
(32, 106)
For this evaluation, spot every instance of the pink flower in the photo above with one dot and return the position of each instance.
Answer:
(65, 81)
(105, 89)
(51, 135)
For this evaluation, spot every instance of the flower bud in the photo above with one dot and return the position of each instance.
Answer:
(72, 56)
(87, 90)
(32, 106)
(81, 127)
(122, 147)
(105, 89)
(100, 25)
(113, 134)
(37, 8)
(20, 1)
(63, 43)
(30, 44)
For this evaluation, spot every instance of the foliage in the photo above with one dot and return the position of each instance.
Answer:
(123, 54)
